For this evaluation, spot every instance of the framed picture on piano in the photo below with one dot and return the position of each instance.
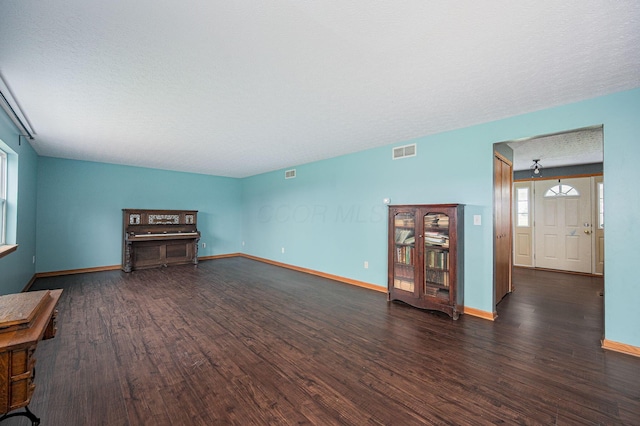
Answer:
(154, 238)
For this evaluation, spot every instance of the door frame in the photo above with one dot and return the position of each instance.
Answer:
(594, 179)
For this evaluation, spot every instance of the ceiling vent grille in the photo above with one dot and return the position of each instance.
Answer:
(290, 174)
(404, 151)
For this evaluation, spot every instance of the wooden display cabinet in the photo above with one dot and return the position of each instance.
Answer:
(426, 256)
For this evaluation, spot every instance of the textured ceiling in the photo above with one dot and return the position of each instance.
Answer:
(237, 88)
(581, 146)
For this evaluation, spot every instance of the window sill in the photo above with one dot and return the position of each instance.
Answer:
(6, 249)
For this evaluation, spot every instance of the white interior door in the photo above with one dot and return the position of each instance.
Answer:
(563, 227)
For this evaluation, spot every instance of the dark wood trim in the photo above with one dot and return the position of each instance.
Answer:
(7, 248)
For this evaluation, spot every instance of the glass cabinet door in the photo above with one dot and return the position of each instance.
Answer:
(404, 252)
(436, 256)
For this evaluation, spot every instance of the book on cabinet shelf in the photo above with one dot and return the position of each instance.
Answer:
(405, 285)
(440, 293)
(437, 259)
(405, 255)
(404, 222)
(436, 239)
(405, 236)
(437, 277)
(405, 271)
(436, 221)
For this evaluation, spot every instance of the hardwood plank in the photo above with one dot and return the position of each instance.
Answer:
(236, 341)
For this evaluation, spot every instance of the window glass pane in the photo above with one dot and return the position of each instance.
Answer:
(3, 174)
(562, 191)
(523, 194)
(601, 205)
(523, 220)
(3, 196)
(522, 207)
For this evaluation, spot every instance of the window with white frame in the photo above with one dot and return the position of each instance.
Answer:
(3, 197)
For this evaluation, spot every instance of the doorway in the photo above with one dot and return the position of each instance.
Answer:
(558, 182)
(559, 224)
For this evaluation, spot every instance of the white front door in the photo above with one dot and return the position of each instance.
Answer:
(563, 224)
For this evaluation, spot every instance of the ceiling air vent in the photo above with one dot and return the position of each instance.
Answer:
(290, 174)
(404, 151)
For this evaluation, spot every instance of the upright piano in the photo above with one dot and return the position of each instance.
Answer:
(159, 238)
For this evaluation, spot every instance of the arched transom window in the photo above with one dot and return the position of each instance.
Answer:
(561, 190)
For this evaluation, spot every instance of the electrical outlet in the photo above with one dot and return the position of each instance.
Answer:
(204, 245)
(366, 264)
(283, 249)
(243, 244)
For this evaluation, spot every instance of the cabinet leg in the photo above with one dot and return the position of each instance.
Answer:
(35, 421)
(456, 315)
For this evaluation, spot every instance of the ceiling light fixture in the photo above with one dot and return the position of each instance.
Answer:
(536, 169)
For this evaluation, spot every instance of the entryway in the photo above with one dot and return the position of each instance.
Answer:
(559, 224)
(556, 204)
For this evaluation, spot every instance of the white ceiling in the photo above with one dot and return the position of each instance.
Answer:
(579, 146)
(237, 88)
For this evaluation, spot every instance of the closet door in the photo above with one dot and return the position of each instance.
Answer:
(503, 172)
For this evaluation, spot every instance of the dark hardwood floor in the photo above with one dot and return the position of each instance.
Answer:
(236, 341)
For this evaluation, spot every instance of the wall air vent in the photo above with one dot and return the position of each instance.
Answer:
(404, 151)
(290, 174)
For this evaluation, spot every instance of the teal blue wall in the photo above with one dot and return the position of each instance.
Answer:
(17, 269)
(79, 218)
(622, 210)
(331, 217)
